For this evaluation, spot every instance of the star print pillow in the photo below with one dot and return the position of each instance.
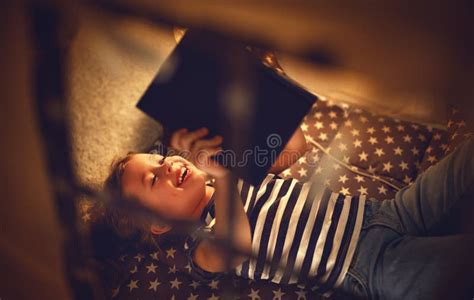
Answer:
(444, 142)
(356, 152)
(382, 146)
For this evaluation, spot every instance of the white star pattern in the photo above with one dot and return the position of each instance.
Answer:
(132, 285)
(154, 255)
(362, 190)
(154, 284)
(194, 285)
(355, 132)
(387, 166)
(139, 257)
(343, 179)
(403, 165)
(170, 252)
(357, 143)
(173, 269)
(151, 268)
(192, 297)
(254, 294)
(407, 138)
(379, 152)
(286, 173)
(213, 284)
(323, 136)
(175, 283)
(345, 191)
(398, 151)
(303, 172)
(407, 179)
(389, 140)
(363, 156)
(302, 160)
(373, 140)
(382, 190)
(342, 147)
(301, 295)
(278, 294)
(371, 169)
(188, 267)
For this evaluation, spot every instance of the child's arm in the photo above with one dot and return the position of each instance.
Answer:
(208, 255)
(295, 148)
(191, 142)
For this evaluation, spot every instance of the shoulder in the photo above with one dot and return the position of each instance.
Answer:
(270, 184)
(270, 178)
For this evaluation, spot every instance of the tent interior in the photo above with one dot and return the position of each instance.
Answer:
(408, 63)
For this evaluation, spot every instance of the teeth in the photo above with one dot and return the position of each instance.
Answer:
(182, 175)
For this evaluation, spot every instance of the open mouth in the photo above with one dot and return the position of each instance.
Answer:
(183, 175)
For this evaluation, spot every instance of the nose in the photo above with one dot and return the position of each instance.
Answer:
(165, 167)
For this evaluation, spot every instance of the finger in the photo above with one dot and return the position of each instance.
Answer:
(211, 163)
(213, 151)
(188, 139)
(176, 137)
(203, 144)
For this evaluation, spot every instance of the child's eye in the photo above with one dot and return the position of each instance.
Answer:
(162, 161)
(154, 180)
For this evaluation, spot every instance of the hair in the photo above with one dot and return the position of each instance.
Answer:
(128, 218)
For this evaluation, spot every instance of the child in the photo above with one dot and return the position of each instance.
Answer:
(304, 234)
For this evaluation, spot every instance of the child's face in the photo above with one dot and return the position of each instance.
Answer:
(159, 185)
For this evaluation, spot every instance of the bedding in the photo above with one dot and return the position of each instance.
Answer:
(351, 150)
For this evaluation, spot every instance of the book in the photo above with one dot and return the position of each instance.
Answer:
(214, 82)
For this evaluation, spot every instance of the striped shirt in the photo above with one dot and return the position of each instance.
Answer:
(302, 233)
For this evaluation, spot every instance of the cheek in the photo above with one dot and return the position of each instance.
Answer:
(189, 197)
(180, 203)
(198, 188)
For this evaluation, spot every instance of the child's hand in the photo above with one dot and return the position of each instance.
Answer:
(196, 149)
(205, 162)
